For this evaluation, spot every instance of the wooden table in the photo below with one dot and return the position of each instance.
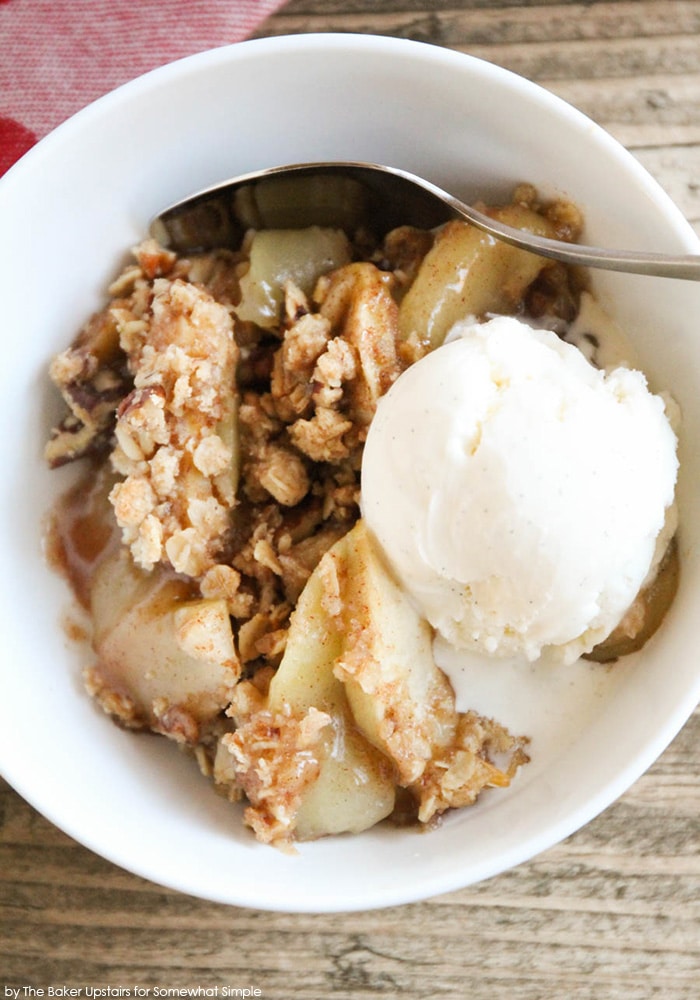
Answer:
(613, 912)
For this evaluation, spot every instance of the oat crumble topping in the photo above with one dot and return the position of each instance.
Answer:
(233, 451)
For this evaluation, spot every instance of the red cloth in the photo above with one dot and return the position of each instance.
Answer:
(59, 55)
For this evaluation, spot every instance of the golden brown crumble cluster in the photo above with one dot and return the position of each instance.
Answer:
(174, 431)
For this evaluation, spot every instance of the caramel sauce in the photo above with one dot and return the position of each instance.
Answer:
(81, 530)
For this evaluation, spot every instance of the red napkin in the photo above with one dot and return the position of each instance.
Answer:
(59, 55)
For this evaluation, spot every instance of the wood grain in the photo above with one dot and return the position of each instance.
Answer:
(614, 911)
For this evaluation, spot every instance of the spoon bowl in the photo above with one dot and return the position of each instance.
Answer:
(349, 193)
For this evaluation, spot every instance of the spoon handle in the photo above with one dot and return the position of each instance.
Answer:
(685, 266)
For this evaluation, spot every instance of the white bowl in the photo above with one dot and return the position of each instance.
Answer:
(69, 211)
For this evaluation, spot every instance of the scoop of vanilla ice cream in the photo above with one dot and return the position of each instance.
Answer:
(517, 491)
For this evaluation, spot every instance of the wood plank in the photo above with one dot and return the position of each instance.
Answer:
(498, 24)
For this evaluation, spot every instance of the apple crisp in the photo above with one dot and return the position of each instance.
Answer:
(238, 604)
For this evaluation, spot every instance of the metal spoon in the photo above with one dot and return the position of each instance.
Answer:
(345, 194)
